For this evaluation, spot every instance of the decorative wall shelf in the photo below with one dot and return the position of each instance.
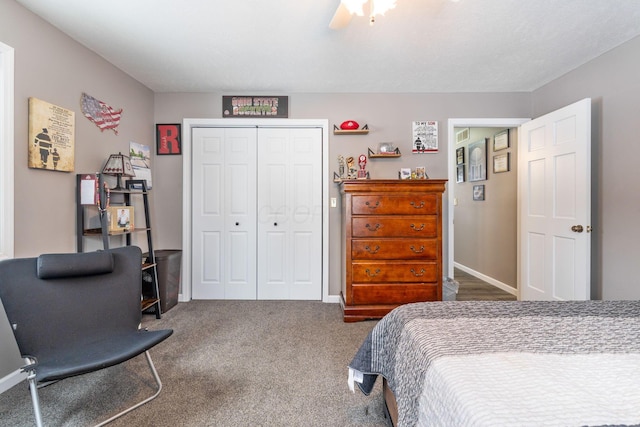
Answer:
(362, 131)
(373, 155)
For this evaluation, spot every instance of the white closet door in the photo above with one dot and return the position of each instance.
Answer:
(290, 213)
(224, 213)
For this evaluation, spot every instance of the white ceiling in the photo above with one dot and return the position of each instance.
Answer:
(286, 46)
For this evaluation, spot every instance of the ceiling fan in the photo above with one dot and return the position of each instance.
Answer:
(347, 8)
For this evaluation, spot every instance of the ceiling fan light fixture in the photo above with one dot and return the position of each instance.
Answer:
(354, 6)
(380, 7)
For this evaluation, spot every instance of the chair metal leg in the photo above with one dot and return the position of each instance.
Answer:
(137, 405)
(33, 388)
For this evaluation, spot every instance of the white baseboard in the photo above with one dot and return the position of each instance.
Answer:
(334, 299)
(11, 380)
(490, 280)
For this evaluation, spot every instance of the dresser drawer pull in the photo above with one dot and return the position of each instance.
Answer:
(416, 250)
(370, 206)
(417, 206)
(372, 251)
(416, 228)
(418, 274)
(374, 274)
(372, 227)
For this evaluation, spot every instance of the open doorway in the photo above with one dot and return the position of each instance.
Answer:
(479, 193)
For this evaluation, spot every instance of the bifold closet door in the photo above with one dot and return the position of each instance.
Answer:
(290, 213)
(224, 213)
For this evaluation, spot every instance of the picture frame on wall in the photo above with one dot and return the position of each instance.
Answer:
(478, 192)
(460, 174)
(501, 163)
(478, 160)
(459, 156)
(168, 139)
(501, 140)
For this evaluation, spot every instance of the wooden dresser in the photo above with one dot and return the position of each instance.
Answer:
(392, 245)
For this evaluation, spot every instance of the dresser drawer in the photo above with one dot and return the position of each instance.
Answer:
(395, 226)
(394, 271)
(394, 293)
(424, 249)
(419, 204)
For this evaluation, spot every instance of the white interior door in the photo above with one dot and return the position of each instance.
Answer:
(554, 185)
(290, 213)
(224, 213)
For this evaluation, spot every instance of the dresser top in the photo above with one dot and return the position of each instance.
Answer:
(393, 185)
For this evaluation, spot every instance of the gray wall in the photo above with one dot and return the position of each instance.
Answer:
(389, 117)
(612, 82)
(52, 67)
(485, 238)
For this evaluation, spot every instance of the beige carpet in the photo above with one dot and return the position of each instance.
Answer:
(228, 363)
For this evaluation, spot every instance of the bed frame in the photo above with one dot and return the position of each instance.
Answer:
(390, 404)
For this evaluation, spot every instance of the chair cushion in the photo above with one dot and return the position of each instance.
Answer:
(55, 266)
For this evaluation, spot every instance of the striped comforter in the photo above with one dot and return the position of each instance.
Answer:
(530, 363)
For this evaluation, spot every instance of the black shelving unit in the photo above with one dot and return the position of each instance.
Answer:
(150, 300)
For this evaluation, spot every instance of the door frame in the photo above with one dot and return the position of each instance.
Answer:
(475, 123)
(187, 126)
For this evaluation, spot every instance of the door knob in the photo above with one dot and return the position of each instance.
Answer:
(577, 228)
(275, 224)
(237, 223)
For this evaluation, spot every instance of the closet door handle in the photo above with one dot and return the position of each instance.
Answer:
(237, 223)
(275, 224)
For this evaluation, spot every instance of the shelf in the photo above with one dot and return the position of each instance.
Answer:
(395, 153)
(148, 303)
(150, 299)
(362, 131)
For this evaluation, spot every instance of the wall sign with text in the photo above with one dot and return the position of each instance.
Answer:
(255, 106)
(168, 139)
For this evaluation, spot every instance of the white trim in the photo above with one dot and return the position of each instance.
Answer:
(452, 124)
(6, 151)
(187, 126)
(489, 280)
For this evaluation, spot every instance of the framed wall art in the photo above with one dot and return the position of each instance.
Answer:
(478, 160)
(501, 140)
(168, 139)
(501, 163)
(459, 156)
(460, 174)
(478, 192)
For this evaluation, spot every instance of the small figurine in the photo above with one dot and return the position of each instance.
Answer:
(351, 170)
(362, 162)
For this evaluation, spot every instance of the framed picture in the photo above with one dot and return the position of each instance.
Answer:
(478, 192)
(168, 139)
(405, 173)
(478, 160)
(460, 156)
(460, 173)
(501, 140)
(421, 172)
(120, 218)
(501, 163)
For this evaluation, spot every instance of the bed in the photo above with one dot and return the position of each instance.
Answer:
(511, 363)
